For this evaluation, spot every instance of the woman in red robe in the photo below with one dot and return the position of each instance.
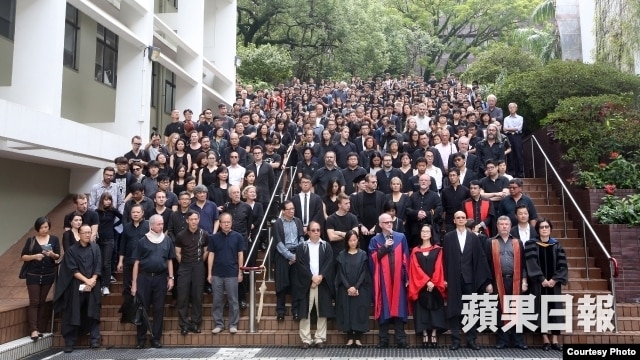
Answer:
(426, 291)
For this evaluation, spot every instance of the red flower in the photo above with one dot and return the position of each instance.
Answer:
(614, 155)
(603, 165)
(571, 180)
(610, 189)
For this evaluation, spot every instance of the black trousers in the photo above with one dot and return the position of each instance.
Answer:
(189, 289)
(398, 326)
(455, 322)
(515, 164)
(504, 338)
(70, 332)
(152, 290)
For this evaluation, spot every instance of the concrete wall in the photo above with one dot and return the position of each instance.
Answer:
(6, 61)
(84, 99)
(27, 191)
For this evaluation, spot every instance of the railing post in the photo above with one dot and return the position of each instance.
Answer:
(267, 258)
(584, 241)
(564, 212)
(252, 295)
(613, 292)
(546, 180)
(533, 158)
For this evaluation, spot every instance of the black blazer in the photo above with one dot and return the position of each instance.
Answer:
(265, 181)
(384, 181)
(225, 154)
(472, 162)
(315, 208)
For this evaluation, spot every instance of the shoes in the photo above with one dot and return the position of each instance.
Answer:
(105, 291)
(68, 349)
(173, 303)
(243, 305)
(35, 337)
(522, 347)
(556, 346)
(40, 334)
(216, 330)
(155, 344)
(280, 317)
(546, 346)
(296, 317)
(113, 280)
(195, 329)
(184, 330)
(320, 345)
(434, 341)
(455, 346)
(383, 345)
(95, 344)
(140, 344)
(500, 346)
(207, 289)
(233, 330)
(305, 345)
(403, 345)
(473, 345)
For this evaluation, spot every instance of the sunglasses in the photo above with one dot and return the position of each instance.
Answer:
(314, 230)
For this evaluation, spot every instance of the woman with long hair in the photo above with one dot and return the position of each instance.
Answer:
(107, 215)
(218, 142)
(406, 169)
(547, 270)
(180, 156)
(206, 175)
(426, 292)
(178, 184)
(200, 162)
(40, 252)
(330, 198)
(367, 152)
(250, 194)
(434, 171)
(375, 162)
(326, 144)
(353, 290)
(171, 144)
(72, 235)
(219, 190)
(400, 199)
(261, 136)
(163, 165)
(249, 179)
(394, 151)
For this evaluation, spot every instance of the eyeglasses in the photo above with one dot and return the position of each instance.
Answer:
(287, 209)
(460, 217)
(513, 187)
(386, 222)
(314, 230)
(137, 144)
(85, 232)
(136, 169)
(545, 227)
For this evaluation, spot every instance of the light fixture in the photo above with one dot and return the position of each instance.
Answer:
(238, 61)
(153, 52)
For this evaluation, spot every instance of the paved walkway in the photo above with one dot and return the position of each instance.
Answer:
(272, 353)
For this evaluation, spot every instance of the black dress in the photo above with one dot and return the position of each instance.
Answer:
(546, 260)
(428, 311)
(41, 272)
(352, 312)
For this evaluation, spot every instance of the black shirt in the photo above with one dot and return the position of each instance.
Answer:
(130, 236)
(174, 127)
(242, 215)
(192, 245)
(153, 257)
(90, 218)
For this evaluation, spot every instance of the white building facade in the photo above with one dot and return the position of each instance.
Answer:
(76, 83)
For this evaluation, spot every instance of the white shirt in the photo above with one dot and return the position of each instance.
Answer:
(525, 234)
(445, 151)
(314, 256)
(423, 123)
(236, 174)
(436, 173)
(511, 122)
(304, 211)
(462, 239)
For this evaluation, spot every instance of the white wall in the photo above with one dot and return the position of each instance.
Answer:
(27, 192)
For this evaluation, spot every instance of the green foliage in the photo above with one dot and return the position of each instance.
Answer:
(593, 127)
(264, 64)
(622, 173)
(616, 28)
(496, 62)
(538, 92)
(615, 210)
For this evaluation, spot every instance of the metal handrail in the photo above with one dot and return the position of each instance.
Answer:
(266, 211)
(613, 263)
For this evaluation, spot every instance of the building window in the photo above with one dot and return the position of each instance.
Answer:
(71, 29)
(154, 84)
(169, 91)
(106, 57)
(7, 18)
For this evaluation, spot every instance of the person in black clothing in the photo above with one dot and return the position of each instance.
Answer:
(367, 206)
(191, 250)
(242, 216)
(89, 217)
(340, 223)
(425, 207)
(452, 197)
(131, 233)
(106, 235)
(153, 277)
(78, 295)
(351, 173)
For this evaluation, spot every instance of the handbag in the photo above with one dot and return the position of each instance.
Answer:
(27, 264)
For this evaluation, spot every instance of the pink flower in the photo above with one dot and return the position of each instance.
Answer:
(610, 189)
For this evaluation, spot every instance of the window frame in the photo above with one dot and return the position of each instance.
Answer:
(11, 20)
(75, 27)
(169, 84)
(102, 43)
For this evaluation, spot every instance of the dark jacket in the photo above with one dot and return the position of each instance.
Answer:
(302, 283)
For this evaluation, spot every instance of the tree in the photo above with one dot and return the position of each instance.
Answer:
(462, 26)
(497, 62)
(543, 41)
(265, 63)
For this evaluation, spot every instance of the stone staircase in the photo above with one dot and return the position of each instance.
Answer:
(271, 332)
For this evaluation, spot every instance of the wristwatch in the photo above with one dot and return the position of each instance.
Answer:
(172, 277)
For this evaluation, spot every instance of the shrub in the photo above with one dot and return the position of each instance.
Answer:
(614, 210)
(539, 91)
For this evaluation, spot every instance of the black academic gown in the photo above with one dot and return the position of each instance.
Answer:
(352, 312)
(67, 296)
(302, 283)
(471, 264)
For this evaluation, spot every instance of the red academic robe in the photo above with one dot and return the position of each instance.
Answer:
(389, 280)
(418, 279)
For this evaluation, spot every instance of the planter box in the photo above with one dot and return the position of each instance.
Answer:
(623, 243)
(590, 200)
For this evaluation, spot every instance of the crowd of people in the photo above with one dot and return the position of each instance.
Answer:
(408, 195)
